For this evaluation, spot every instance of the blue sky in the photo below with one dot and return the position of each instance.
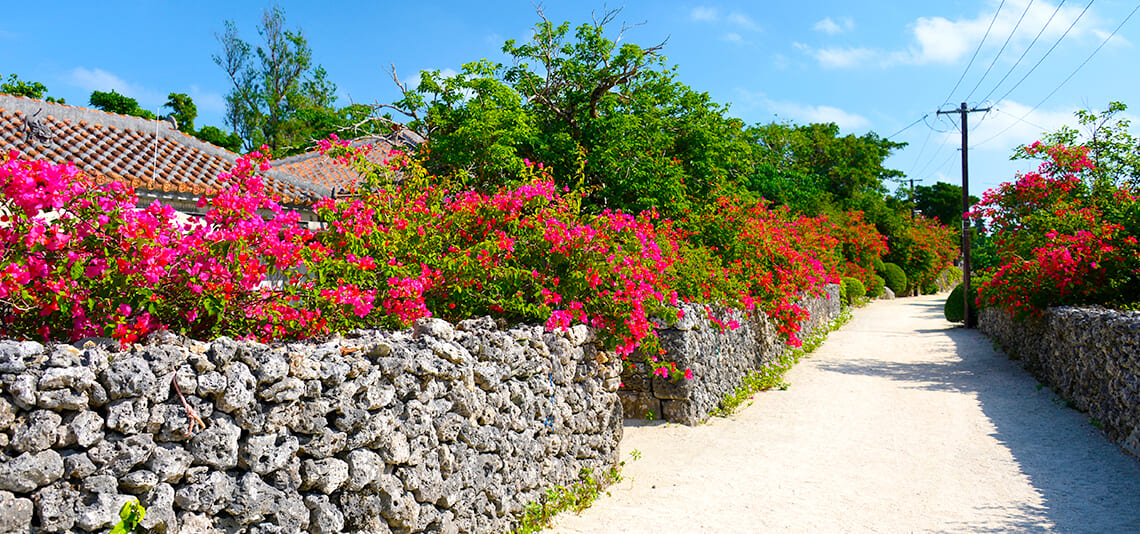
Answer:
(865, 65)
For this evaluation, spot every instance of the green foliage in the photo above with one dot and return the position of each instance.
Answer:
(130, 516)
(646, 140)
(814, 160)
(895, 278)
(851, 289)
(185, 111)
(113, 102)
(577, 497)
(879, 265)
(215, 136)
(954, 309)
(1112, 149)
(18, 87)
(941, 201)
(876, 289)
(278, 98)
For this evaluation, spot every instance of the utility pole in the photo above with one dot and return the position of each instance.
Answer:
(912, 181)
(967, 294)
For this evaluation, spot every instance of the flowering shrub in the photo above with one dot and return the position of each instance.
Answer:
(1059, 243)
(860, 243)
(923, 249)
(768, 258)
(524, 254)
(78, 259)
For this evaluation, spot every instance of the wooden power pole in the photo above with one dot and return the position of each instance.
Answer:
(967, 293)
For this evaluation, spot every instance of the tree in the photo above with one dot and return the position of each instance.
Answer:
(820, 161)
(215, 136)
(941, 201)
(184, 111)
(1112, 149)
(611, 119)
(272, 84)
(113, 102)
(18, 87)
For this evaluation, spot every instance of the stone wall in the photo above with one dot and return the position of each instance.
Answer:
(719, 359)
(1089, 356)
(448, 429)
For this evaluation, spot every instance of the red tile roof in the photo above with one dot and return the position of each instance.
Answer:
(108, 147)
(320, 170)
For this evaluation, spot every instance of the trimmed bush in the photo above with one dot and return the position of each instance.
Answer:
(851, 289)
(895, 278)
(877, 262)
(954, 309)
(877, 286)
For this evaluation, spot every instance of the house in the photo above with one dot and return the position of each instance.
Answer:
(320, 170)
(158, 161)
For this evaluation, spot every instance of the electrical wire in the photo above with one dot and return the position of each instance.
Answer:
(979, 49)
(1066, 80)
(1002, 49)
(1050, 51)
(905, 128)
(1026, 51)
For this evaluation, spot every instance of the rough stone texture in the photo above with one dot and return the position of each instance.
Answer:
(719, 359)
(438, 428)
(1089, 356)
(15, 513)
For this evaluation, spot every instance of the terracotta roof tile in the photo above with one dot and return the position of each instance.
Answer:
(109, 147)
(322, 171)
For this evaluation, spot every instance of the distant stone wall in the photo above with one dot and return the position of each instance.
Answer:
(444, 429)
(1090, 356)
(719, 359)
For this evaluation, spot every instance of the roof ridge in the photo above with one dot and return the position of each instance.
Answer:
(76, 113)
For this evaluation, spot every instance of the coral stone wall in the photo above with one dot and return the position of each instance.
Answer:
(444, 428)
(719, 359)
(1089, 356)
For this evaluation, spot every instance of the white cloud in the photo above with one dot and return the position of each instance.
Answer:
(801, 113)
(207, 101)
(706, 14)
(743, 21)
(1011, 124)
(831, 27)
(734, 38)
(810, 114)
(101, 80)
(736, 19)
(938, 40)
(844, 57)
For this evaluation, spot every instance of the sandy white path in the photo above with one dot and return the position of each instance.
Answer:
(900, 422)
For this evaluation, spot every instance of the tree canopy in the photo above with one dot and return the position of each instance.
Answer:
(278, 97)
(113, 102)
(615, 118)
(30, 89)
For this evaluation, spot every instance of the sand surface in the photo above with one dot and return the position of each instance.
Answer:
(900, 422)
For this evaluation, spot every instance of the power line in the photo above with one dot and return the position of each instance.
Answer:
(922, 149)
(1002, 49)
(1026, 51)
(1050, 51)
(907, 127)
(979, 49)
(1021, 119)
(1069, 77)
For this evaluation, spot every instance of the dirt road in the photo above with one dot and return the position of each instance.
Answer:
(900, 422)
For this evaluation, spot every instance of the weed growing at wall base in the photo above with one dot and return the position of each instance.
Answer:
(772, 375)
(578, 496)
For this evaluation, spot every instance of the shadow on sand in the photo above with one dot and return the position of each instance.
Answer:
(1087, 484)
